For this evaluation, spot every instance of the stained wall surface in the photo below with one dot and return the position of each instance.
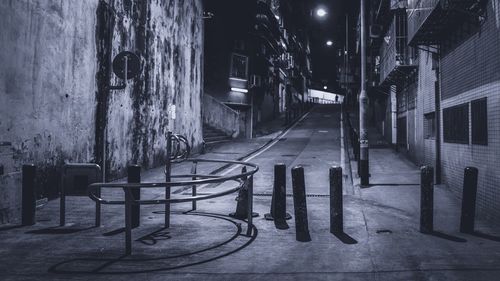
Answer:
(55, 103)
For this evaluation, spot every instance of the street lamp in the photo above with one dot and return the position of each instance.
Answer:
(329, 43)
(320, 12)
(325, 87)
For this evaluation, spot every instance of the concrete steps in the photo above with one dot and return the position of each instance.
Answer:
(212, 135)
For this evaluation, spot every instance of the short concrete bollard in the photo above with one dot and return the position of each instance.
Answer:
(336, 201)
(469, 200)
(426, 199)
(28, 206)
(134, 176)
(278, 203)
(243, 199)
(300, 205)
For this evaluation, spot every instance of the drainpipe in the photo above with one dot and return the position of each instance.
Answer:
(437, 114)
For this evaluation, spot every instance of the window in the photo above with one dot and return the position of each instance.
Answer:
(430, 125)
(456, 124)
(479, 121)
(239, 66)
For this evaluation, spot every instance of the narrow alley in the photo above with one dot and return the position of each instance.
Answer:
(249, 140)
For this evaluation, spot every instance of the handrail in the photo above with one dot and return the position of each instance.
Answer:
(205, 179)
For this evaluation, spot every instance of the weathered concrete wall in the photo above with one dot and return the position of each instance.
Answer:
(54, 75)
(167, 35)
(47, 86)
(221, 116)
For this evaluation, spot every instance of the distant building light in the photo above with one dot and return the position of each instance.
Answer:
(329, 42)
(239, 90)
(321, 12)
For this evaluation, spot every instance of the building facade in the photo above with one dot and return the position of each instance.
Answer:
(257, 60)
(438, 68)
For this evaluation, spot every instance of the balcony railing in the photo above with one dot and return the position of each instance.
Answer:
(397, 59)
(430, 20)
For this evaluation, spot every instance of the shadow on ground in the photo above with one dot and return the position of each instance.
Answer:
(146, 262)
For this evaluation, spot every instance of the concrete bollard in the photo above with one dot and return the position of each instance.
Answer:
(300, 205)
(28, 206)
(278, 203)
(134, 176)
(243, 199)
(469, 200)
(426, 199)
(336, 201)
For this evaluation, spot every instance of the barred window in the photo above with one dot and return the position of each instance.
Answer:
(430, 125)
(456, 124)
(479, 121)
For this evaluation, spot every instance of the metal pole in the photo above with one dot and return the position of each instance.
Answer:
(28, 206)
(168, 168)
(469, 200)
(300, 205)
(336, 204)
(426, 199)
(363, 106)
(134, 176)
(193, 188)
(250, 206)
(128, 221)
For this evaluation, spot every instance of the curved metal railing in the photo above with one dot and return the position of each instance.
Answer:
(93, 189)
(244, 182)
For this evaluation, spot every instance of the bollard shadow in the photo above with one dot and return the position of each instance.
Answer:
(447, 237)
(393, 184)
(485, 236)
(114, 232)
(58, 230)
(345, 238)
(141, 263)
(7, 228)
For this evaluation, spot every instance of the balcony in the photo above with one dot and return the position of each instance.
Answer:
(397, 60)
(430, 20)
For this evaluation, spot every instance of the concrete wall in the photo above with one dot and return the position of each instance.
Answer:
(54, 75)
(220, 116)
(472, 71)
(168, 37)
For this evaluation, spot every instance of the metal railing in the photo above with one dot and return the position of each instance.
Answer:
(178, 150)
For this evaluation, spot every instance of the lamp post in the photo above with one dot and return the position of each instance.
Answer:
(363, 106)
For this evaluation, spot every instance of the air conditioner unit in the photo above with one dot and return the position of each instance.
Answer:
(255, 81)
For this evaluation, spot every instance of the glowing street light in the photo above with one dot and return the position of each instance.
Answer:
(325, 87)
(321, 12)
(329, 43)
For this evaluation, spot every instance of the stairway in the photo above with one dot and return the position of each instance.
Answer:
(212, 135)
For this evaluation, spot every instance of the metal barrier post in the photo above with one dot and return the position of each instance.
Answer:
(193, 188)
(336, 201)
(426, 199)
(299, 204)
(28, 194)
(168, 170)
(134, 176)
(62, 203)
(469, 200)
(128, 221)
(250, 206)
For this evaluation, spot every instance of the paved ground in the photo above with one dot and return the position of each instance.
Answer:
(382, 241)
